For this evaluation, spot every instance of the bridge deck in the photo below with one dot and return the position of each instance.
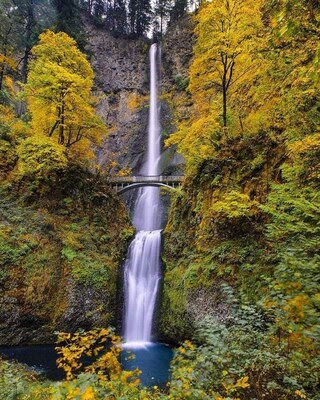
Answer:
(145, 179)
(123, 183)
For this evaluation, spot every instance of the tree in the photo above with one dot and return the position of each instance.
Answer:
(21, 23)
(25, 10)
(59, 94)
(140, 16)
(116, 17)
(120, 17)
(7, 39)
(68, 20)
(99, 10)
(227, 33)
(179, 9)
(225, 68)
(162, 11)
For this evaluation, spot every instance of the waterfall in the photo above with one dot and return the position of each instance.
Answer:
(142, 270)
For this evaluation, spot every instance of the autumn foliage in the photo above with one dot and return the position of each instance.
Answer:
(59, 96)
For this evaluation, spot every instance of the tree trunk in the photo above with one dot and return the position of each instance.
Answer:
(29, 31)
(61, 133)
(1, 76)
(224, 105)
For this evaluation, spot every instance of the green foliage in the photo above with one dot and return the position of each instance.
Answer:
(96, 273)
(16, 382)
(8, 157)
(181, 83)
(243, 347)
(68, 238)
(140, 16)
(68, 20)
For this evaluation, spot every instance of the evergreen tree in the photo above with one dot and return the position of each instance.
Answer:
(7, 39)
(21, 21)
(99, 10)
(26, 14)
(120, 17)
(179, 9)
(140, 16)
(162, 12)
(116, 17)
(68, 19)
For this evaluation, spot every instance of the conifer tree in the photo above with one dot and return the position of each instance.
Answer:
(116, 17)
(99, 10)
(179, 9)
(7, 39)
(140, 16)
(68, 19)
(162, 11)
(25, 10)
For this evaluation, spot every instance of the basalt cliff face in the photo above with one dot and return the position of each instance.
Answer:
(122, 88)
(121, 70)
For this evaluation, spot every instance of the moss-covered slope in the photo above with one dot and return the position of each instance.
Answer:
(60, 256)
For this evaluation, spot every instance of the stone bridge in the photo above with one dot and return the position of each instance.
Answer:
(124, 183)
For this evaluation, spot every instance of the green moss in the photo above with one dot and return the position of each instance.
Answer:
(181, 82)
(97, 273)
(174, 325)
(60, 239)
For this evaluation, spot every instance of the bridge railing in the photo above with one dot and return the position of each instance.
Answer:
(143, 178)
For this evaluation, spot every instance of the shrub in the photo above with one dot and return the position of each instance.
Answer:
(41, 156)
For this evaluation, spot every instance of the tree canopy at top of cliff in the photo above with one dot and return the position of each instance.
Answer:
(22, 21)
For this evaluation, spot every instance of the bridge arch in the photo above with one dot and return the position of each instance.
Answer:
(131, 186)
(122, 184)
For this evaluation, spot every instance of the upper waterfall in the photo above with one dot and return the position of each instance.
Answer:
(147, 214)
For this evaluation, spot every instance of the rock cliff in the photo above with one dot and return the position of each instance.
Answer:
(122, 87)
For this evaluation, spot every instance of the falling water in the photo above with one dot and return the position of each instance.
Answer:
(142, 268)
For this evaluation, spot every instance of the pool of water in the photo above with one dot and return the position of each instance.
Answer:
(40, 358)
(152, 359)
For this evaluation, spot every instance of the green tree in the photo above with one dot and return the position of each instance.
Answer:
(21, 23)
(140, 16)
(162, 9)
(116, 17)
(69, 20)
(179, 9)
(7, 39)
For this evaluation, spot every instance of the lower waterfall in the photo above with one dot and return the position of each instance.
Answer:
(142, 276)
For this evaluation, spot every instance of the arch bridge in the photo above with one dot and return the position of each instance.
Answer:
(122, 184)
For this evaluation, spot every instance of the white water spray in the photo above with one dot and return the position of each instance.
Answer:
(142, 268)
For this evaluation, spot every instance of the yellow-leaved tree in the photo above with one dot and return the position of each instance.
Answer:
(226, 56)
(59, 96)
(227, 32)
